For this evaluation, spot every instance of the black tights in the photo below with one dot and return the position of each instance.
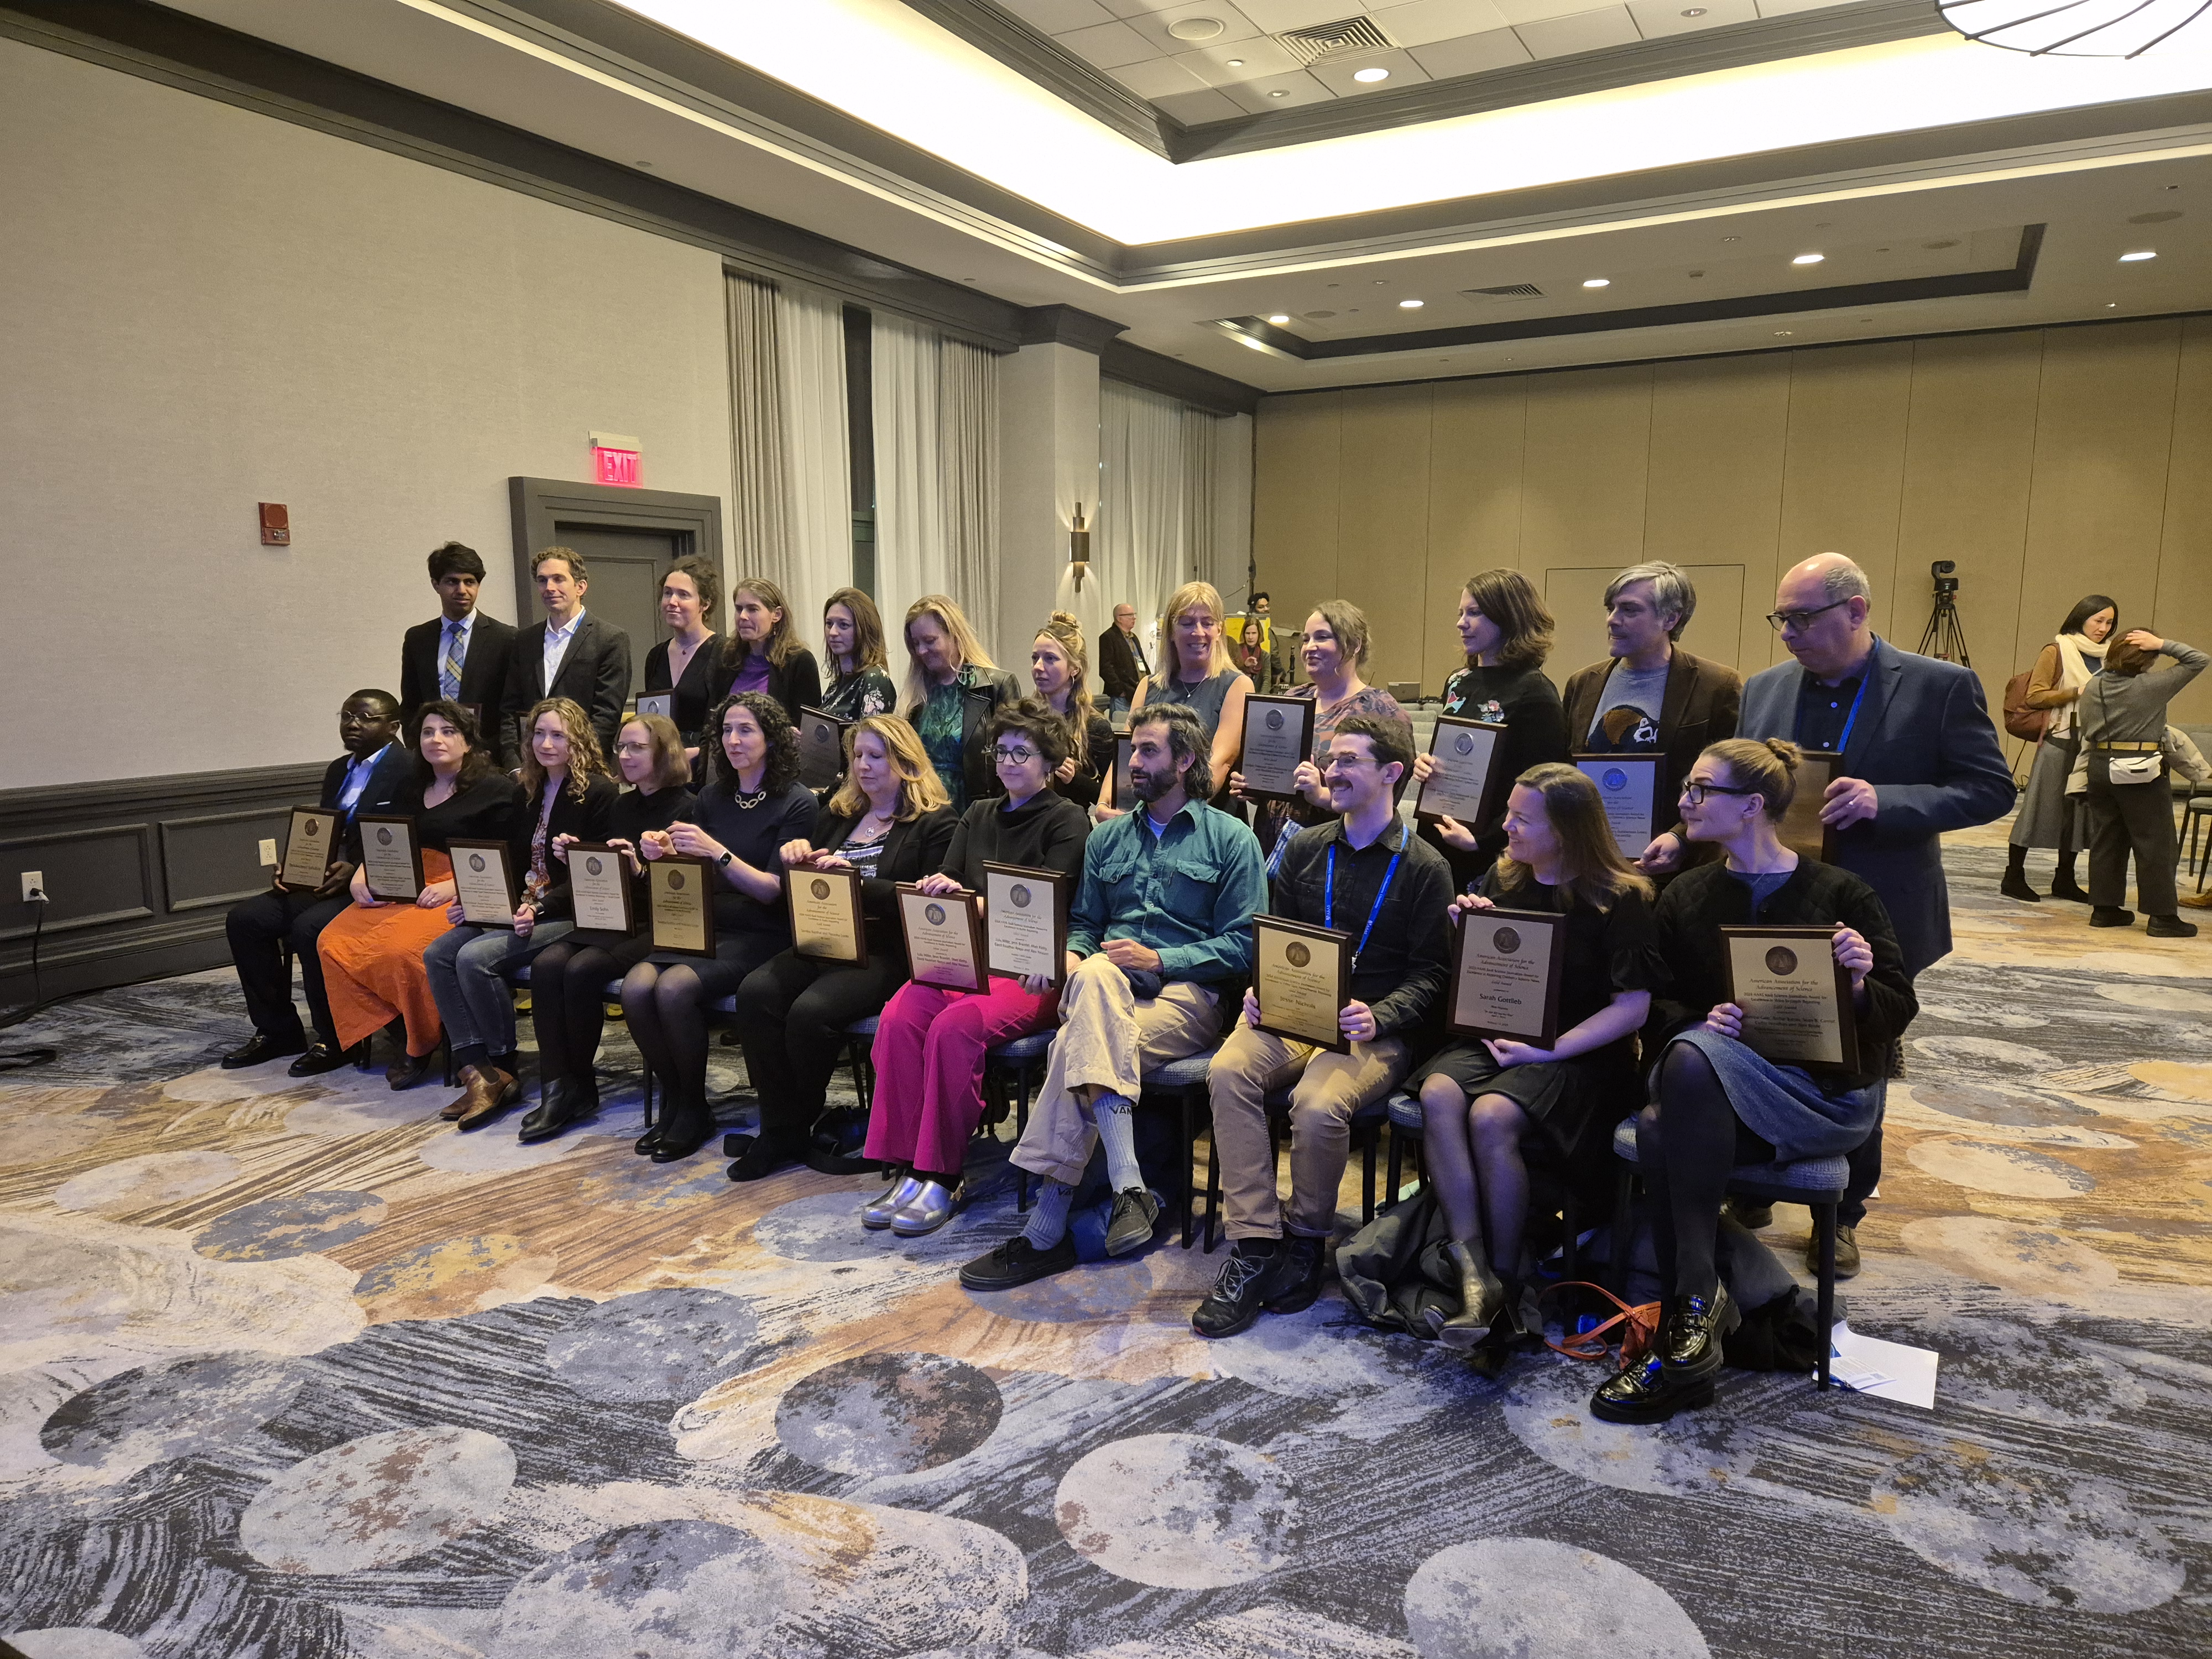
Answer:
(666, 1008)
(568, 1004)
(1686, 1164)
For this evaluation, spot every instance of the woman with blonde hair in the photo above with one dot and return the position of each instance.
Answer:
(1481, 1100)
(764, 654)
(1059, 669)
(1334, 652)
(1717, 1101)
(953, 690)
(568, 978)
(853, 645)
(1199, 674)
(888, 823)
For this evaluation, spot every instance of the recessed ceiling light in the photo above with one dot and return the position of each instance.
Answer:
(1949, 242)
(1236, 63)
(1809, 258)
(1321, 314)
(2158, 218)
(2138, 256)
(1278, 94)
(2111, 305)
(1783, 333)
(1695, 11)
(1731, 238)
(1599, 282)
(1195, 28)
(1409, 304)
(1697, 273)
(1370, 75)
(1278, 319)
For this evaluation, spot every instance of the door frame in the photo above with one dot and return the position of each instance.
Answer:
(696, 522)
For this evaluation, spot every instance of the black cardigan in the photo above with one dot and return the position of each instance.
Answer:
(630, 814)
(1092, 763)
(1699, 902)
(796, 685)
(485, 810)
(585, 819)
(912, 847)
(1045, 832)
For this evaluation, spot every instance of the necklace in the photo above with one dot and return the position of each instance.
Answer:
(746, 802)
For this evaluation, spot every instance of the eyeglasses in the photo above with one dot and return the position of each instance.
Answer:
(1695, 794)
(1003, 756)
(633, 749)
(1800, 620)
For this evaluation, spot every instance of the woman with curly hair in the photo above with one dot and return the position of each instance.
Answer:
(565, 781)
(752, 804)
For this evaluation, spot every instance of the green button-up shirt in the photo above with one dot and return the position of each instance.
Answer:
(1187, 892)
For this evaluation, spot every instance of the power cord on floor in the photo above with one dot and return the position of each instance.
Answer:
(22, 1060)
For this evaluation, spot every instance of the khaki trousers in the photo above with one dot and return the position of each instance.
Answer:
(1108, 1039)
(1329, 1088)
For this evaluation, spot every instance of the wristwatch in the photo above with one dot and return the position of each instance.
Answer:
(723, 862)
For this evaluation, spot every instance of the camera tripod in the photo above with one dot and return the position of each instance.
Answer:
(1944, 636)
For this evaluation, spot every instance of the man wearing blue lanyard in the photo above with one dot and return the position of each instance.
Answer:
(1363, 874)
(1919, 757)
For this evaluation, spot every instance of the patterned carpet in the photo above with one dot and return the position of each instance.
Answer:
(298, 1371)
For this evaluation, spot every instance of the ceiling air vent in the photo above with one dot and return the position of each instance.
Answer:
(1354, 37)
(1507, 291)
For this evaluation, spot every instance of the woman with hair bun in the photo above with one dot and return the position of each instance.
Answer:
(1715, 1102)
(1059, 669)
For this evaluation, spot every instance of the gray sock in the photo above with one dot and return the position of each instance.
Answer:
(1048, 1220)
(1117, 1132)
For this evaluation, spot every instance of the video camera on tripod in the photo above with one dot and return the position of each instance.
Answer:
(1945, 635)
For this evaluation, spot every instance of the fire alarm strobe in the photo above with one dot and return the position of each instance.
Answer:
(275, 525)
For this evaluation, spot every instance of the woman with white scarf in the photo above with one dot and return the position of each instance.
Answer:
(2047, 817)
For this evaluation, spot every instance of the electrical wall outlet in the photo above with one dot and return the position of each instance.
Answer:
(269, 854)
(34, 885)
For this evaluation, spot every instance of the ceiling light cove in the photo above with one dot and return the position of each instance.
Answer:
(2138, 256)
(1809, 258)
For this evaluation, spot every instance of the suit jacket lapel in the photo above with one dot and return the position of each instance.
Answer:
(1681, 675)
(1579, 718)
(1884, 669)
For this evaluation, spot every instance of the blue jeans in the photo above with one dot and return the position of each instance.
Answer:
(468, 967)
(1117, 706)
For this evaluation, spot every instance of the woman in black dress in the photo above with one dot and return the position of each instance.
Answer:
(568, 978)
(752, 804)
(1480, 1099)
(684, 662)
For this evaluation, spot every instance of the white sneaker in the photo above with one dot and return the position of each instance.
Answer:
(878, 1211)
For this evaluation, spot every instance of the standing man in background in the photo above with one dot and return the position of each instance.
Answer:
(1281, 657)
(570, 654)
(1919, 756)
(1121, 663)
(462, 655)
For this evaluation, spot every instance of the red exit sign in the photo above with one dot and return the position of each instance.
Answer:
(615, 459)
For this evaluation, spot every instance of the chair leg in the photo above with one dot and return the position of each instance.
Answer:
(1824, 1221)
(446, 1056)
(1213, 1225)
(1396, 1168)
(1189, 1158)
(1021, 1128)
(1624, 1235)
(1367, 1149)
(648, 1082)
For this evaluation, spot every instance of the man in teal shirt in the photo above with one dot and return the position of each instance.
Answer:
(1158, 938)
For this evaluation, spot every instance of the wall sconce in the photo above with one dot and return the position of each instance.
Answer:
(1078, 548)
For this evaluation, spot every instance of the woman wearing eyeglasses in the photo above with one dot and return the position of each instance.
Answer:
(1716, 1102)
(932, 1044)
(888, 823)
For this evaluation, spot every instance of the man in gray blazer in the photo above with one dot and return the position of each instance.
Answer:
(570, 654)
(1919, 757)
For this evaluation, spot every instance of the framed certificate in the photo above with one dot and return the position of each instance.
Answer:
(1801, 830)
(821, 748)
(1632, 787)
(1302, 978)
(1505, 974)
(390, 859)
(1025, 921)
(662, 703)
(599, 889)
(944, 938)
(683, 895)
(1124, 795)
(483, 881)
(826, 923)
(1461, 787)
(309, 843)
(1278, 740)
(1795, 996)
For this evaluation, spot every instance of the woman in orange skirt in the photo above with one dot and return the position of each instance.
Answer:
(373, 950)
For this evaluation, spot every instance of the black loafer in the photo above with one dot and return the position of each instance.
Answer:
(1645, 1394)
(1691, 1344)
(679, 1139)
(763, 1155)
(1017, 1262)
(1296, 1281)
(259, 1049)
(1238, 1295)
(408, 1070)
(317, 1059)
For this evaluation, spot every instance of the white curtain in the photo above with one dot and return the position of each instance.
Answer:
(937, 472)
(1157, 510)
(791, 493)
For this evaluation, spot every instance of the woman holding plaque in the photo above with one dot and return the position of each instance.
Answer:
(684, 662)
(1506, 632)
(1059, 668)
(1201, 675)
(952, 689)
(372, 951)
(565, 780)
(1483, 1099)
(763, 654)
(752, 804)
(932, 1044)
(568, 978)
(852, 641)
(888, 823)
(1717, 1102)
(1334, 652)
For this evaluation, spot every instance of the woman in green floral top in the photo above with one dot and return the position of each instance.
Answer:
(952, 689)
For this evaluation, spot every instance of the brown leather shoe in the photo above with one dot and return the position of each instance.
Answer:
(2197, 900)
(491, 1092)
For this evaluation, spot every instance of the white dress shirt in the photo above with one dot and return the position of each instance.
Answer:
(558, 640)
(356, 779)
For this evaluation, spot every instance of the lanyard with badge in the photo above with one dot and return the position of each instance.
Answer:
(1329, 894)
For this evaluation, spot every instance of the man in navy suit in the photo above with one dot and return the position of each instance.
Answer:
(1919, 757)
(570, 654)
(461, 654)
(367, 778)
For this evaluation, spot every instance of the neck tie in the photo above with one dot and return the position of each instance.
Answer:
(449, 666)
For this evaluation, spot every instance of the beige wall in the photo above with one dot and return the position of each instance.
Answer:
(2048, 464)
(205, 308)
